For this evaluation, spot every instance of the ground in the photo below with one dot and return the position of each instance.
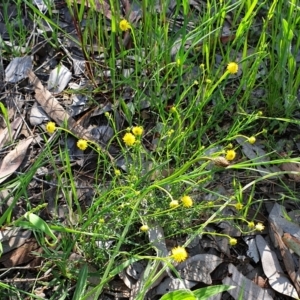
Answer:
(149, 150)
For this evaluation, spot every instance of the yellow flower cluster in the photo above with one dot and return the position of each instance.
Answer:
(50, 127)
(238, 206)
(174, 204)
(252, 140)
(230, 155)
(179, 254)
(82, 144)
(124, 25)
(232, 68)
(232, 241)
(130, 139)
(144, 228)
(137, 130)
(187, 201)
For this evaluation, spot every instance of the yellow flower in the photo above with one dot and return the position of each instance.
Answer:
(232, 68)
(170, 132)
(251, 225)
(124, 25)
(179, 254)
(117, 172)
(174, 203)
(173, 109)
(230, 155)
(208, 81)
(187, 201)
(50, 127)
(129, 139)
(232, 241)
(137, 130)
(82, 144)
(239, 206)
(259, 227)
(252, 140)
(144, 228)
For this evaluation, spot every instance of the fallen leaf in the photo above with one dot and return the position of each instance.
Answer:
(277, 215)
(198, 267)
(291, 242)
(287, 257)
(246, 289)
(292, 167)
(58, 79)
(57, 113)
(272, 269)
(13, 159)
(18, 69)
(19, 256)
(14, 126)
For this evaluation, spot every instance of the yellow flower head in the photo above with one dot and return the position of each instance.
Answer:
(50, 127)
(259, 227)
(174, 203)
(252, 140)
(230, 155)
(144, 228)
(208, 81)
(239, 206)
(173, 109)
(232, 241)
(170, 132)
(129, 139)
(232, 68)
(137, 130)
(179, 254)
(82, 144)
(251, 225)
(187, 201)
(117, 172)
(124, 25)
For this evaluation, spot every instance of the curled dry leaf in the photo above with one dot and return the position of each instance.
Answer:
(272, 269)
(294, 168)
(291, 242)
(13, 159)
(14, 126)
(246, 289)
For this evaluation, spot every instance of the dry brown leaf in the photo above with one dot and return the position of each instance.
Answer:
(246, 289)
(286, 255)
(272, 269)
(14, 126)
(292, 167)
(57, 113)
(292, 243)
(13, 159)
(19, 256)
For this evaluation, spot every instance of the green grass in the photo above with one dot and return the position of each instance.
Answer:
(195, 110)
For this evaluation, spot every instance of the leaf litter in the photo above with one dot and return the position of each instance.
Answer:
(201, 266)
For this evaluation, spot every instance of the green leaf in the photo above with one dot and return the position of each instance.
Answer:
(41, 225)
(179, 295)
(81, 283)
(209, 291)
(200, 294)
